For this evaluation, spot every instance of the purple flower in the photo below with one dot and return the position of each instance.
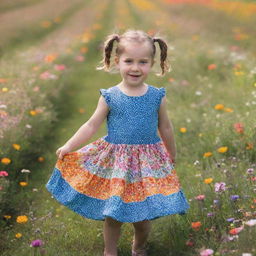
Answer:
(216, 201)
(234, 197)
(230, 219)
(210, 214)
(36, 243)
(250, 170)
(219, 187)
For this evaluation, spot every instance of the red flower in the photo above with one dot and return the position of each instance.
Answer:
(239, 127)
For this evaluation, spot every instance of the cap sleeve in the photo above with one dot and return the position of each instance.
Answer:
(105, 94)
(162, 93)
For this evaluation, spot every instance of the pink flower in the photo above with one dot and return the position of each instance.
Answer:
(200, 197)
(79, 58)
(206, 252)
(219, 187)
(60, 67)
(47, 75)
(3, 173)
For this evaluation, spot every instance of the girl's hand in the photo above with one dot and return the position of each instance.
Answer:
(60, 152)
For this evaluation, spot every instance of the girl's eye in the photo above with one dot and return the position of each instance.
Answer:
(144, 62)
(127, 61)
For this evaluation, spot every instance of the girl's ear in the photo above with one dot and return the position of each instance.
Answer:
(116, 60)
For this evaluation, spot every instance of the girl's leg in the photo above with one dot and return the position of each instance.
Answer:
(112, 231)
(142, 230)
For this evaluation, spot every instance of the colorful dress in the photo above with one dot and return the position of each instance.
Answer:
(127, 174)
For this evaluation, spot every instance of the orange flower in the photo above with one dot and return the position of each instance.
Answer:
(183, 129)
(196, 225)
(22, 219)
(5, 160)
(3, 80)
(249, 145)
(208, 181)
(235, 231)
(212, 66)
(40, 159)
(207, 154)
(228, 110)
(222, 149)
(32, 112)
(50, 58)
(18, 235)
(23, 183)
(16, 146)
(219, 106)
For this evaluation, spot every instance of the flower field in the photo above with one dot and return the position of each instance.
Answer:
(49, 87)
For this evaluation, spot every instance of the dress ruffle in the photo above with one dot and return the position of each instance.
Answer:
(128, 182)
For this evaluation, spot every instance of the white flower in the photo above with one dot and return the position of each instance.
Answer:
(28, 126)
(25, 171)
(246, 254)
(198, 93)
(251, 222)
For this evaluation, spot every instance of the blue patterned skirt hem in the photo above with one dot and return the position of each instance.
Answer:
(92, 208)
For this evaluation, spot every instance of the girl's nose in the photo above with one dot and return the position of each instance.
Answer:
(135, 66)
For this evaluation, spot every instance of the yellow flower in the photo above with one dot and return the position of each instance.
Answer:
(16, 146)
(249, 146)
(57, 19)
(5, 89)
(23, 183)
(18, 235)
(239, 73)
(228, 109)
(219, 106)
(183, 129)
(222, 149)
(32, 112)
(22, 219)
(200, 134)
(207, 154)
(7, 217)
(5, 160)
(208, 181)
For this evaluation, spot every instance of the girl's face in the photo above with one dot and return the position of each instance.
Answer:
(135, 63)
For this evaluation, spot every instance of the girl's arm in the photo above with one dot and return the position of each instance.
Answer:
(166, 130)
(87, 130)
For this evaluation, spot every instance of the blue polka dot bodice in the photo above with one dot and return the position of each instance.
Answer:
(132, 119)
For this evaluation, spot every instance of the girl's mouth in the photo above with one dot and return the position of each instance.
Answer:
(134, 75)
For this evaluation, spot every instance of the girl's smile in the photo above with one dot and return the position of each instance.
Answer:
(135, 63)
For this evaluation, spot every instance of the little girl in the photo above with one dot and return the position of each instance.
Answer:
(127, 175)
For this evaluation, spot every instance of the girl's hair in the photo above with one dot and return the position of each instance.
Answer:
(134, 36)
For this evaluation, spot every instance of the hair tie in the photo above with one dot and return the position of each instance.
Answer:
(117, 38)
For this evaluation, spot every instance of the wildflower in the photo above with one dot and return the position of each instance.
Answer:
(207, 154)
(206, 252)
(239, 128)
(220, 186)
(40, 159)
(196, 162)
(183, 129)
(246, 254)
(235, 231)
(60, 67)
(23, 183)
(32, 112)
(219, 106)
(79, 58)
(230, 219)
(7, 217)
(234, 197)
(50, 58)
(222, 149)
(189, 243)
(83, 49)
(251, 222)
(16, 146)
(22, 219)
(28, 126)
(211, 66)
(18, 235)
(5, 160)
(5, 89)
(230, 110)
(3, 173)
(200, 197)
(250, 170)
(25, 171)
(208, 181)
(196, 225)
(36, 243)
(46, 24)
(210, 214)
